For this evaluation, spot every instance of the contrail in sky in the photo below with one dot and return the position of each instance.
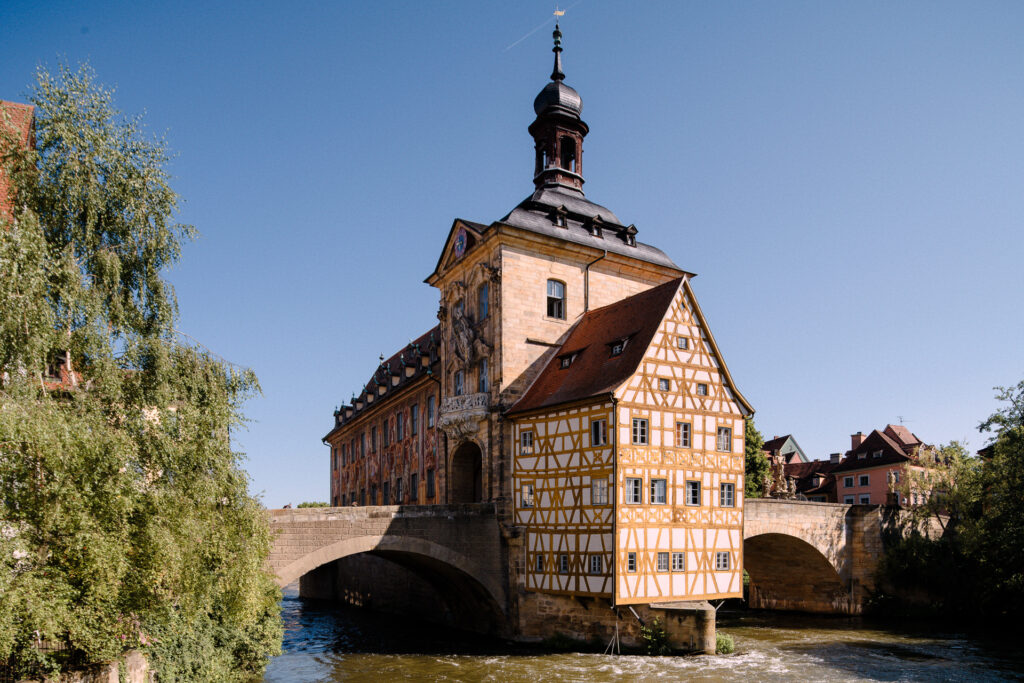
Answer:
(546, 22)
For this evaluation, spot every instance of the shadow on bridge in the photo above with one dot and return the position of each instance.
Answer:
(438, 562)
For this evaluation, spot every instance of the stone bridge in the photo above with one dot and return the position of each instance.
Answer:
(456, 549)
(811, 557)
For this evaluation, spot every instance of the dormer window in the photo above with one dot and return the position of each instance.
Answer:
(559, 217)
(618, 347)
(876, 454)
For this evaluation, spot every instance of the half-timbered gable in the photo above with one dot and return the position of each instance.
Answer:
(680, 462)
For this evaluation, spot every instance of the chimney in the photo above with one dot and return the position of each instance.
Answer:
(856, 439)
(834, 458)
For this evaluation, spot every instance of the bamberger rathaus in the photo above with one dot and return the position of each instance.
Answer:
(573, 381)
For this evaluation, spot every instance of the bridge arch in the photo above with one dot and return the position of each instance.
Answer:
(789, 573)
(472, 595)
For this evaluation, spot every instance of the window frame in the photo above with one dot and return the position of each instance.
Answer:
(654, 491)
(563, 563)
(661, 562)
(459, 383)
(598, 491)
(634, 491)
(864, 499)
(599, 561)
(527, 496)
(556, 304)
(682, 343)
(725, 432)
(678, 561)
(526, 435)
(693, 487)
(680, 441)
(538, 563)
(600, 428)
(702, 388)
(664, 384)
(721, 566)
(483, 380)
(631, 563)
(431, 411)
(640, 433)
(863, 480)
(483, 307)
(730, 487)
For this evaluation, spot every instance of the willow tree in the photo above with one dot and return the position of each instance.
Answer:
(125, 518)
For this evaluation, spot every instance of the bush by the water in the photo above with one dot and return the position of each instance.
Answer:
(655, 639)
(125, 518)
(724, 644)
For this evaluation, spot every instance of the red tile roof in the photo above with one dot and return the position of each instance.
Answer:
(805, 474)
(594, 371)
(893, 452)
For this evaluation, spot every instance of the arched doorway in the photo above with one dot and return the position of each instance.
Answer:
(788, 573)
(466, 474)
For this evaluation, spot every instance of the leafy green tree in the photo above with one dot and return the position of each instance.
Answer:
(756, 461)
(125, 518)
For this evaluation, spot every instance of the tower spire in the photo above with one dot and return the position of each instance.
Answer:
(556, 73)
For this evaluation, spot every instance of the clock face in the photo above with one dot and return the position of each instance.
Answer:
(460, 243)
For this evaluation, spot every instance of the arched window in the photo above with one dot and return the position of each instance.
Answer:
(481, 302)
(556, 299)
(568, 148)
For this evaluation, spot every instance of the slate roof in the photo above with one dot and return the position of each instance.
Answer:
(805, 473)
(775, 444)
(409, 355)
(594, 371)
(537, 212)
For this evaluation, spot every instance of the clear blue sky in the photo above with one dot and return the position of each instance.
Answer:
(847, 179)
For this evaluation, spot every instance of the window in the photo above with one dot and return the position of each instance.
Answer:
(598, 491)
(538, 563)
(865, 499)
(683, 434)
(634, 494)
(598, 432)
(414, 487)
(663, 384)
(430, 483)
(414, 419)
(398, 492)
(862, 455)
(556, 299)
(693, 493)
(727, 495)
(399, 426)
(848, 482)
(362, 496)
(527, 498)
(481, 302)
(876, 454)
(617, 347)
(568, 149)
(362, 444)
(864, 480)
(385, 433)
(848, 500)
(563, 564)
(595, 564)
(565, 361)
(639, 430)
(373, 439)
(386, 491)
(430, 410)
(481, 380)
(658, 489)
(721, 561)
(702, 389)
(373, 494)
(678, 562)
(526, 442)
(683, 343)
(460, 382)
(662, 562)
(895, 477)
(630, 562)
(725, 439)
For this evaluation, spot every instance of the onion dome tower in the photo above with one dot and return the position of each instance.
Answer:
(558, 130)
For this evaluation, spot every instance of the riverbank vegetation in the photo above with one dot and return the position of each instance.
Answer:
(125, 519)
(961, 553)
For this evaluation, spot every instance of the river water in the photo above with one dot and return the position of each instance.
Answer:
(326, 642)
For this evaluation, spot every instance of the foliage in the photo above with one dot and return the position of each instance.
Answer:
(974, 566)
(724, 644)
(313, 504)
(655, 639)
(125, 519)
(756, 461)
